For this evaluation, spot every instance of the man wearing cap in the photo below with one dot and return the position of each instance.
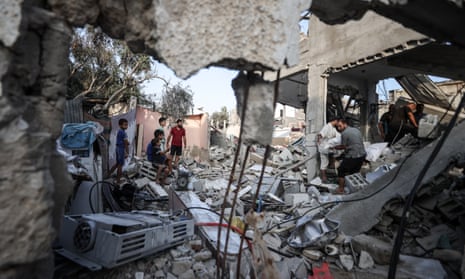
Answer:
(178, 134)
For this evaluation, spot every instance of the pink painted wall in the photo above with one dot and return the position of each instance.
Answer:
(197, 130)
(149, 119)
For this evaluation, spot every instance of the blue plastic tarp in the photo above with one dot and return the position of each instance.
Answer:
(79, 135)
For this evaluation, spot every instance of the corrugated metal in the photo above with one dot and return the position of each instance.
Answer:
(423, 90)
(73, 111)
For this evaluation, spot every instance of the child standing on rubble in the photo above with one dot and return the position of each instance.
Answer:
(122, 149)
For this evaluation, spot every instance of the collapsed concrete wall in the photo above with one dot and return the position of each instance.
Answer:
(34, 43)
(33, 179)
(190, 35)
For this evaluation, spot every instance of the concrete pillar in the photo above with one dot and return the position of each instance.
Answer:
(315, 114)
(368, 116)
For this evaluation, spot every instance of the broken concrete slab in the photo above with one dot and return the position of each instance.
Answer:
(256, 95)
(365, 260)
(348, 214)
(296, 199)
(312, 254)
(181, 265)
(447, 255)
(347, 262)
(379, 250)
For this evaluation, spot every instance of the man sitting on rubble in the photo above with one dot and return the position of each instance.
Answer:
(354, 154)
(158, 158)
(327, 139)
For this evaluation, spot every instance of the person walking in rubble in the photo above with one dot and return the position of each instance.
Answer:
(122, 149)
(327, 139)
(403, 122)
(178, 136)
(354, 152)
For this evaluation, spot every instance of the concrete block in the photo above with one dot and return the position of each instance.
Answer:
(296, 198)
(355, 182)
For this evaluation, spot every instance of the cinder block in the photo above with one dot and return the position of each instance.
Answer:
(296, 198)
(355, 182)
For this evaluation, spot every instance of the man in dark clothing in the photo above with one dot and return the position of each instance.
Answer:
(354, 155)
(383, 125)
(158, 157)
(419, 113)
(403, 122)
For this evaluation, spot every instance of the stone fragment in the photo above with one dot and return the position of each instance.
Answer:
(170, 276)
(139, 275)
(347, 262)
(365, 260)
(312, 254)
(447, 255)
(199, 269)
(10, 20)
(159, 274)
(203, 255)
(189, 274)
(256, 95)
(179, 266)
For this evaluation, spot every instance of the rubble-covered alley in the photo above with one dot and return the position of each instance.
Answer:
(319, 171)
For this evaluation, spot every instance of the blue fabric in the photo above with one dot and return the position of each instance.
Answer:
(121, 137)
(149, 152)
(120, 152)
(78, 135)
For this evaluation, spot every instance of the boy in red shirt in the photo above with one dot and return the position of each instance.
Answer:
(178, 133)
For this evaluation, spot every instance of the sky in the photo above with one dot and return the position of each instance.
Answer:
(211, 87)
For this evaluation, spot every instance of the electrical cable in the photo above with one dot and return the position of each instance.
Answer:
(91, 190)
(207, 209)
(400, 233)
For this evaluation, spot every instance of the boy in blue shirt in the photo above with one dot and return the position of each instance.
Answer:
(122, 149)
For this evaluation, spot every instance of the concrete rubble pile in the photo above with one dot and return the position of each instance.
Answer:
(302, 239)
(188, 261)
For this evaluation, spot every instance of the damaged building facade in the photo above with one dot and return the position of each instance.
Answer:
(260, 36)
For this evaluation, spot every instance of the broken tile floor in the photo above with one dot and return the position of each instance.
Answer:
(299, 226)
